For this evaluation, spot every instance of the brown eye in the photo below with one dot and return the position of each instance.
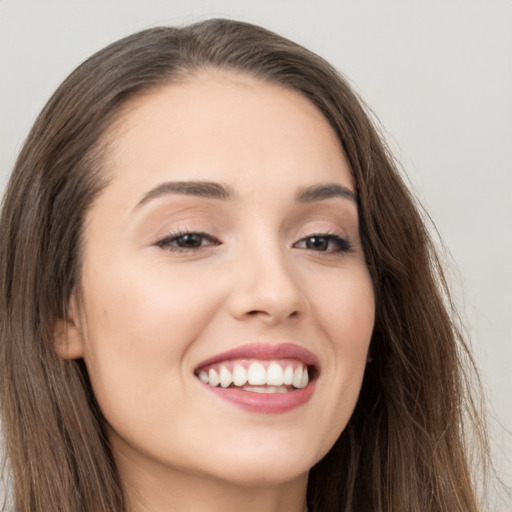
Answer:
(324, 243)
(190, 240)
(180, 242)
(317, 243)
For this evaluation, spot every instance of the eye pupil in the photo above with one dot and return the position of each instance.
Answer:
(318, 243)
(190, 240)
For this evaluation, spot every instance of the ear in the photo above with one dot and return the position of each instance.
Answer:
(68, 335)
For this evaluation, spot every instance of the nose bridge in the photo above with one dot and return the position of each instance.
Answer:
(267, 284)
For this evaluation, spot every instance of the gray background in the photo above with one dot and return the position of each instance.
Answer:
(437, 73)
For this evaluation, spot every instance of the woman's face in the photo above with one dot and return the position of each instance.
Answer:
(225, 247)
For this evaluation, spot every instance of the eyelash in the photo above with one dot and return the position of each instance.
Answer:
(170, 242)
(342, 245)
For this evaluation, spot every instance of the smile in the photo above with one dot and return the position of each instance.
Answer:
(279, 376)
(262, 378)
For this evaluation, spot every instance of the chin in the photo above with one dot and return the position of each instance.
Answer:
(266, 474)
(263, 467)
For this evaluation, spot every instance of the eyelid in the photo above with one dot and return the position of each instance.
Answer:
(163, 242)
(322, 231)
(331, 234)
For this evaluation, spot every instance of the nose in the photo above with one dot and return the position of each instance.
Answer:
(268, 288)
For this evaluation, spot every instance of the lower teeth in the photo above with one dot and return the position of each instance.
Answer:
(266, 389)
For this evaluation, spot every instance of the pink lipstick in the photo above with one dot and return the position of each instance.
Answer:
(260, 377)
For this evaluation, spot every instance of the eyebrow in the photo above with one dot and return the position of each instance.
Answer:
(324, 191)
(213, 190)
(206, 189)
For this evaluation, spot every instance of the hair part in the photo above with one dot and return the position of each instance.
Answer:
(404, 447)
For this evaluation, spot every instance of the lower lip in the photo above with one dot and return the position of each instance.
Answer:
(265, 403)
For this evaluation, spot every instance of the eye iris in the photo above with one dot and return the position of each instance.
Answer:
(190, 240)
(318, 243)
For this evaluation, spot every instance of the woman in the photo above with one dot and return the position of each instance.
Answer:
(217, 293)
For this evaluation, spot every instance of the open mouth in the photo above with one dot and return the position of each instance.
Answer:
(258, 376)
(262, 377)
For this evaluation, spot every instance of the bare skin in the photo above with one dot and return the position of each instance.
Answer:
(174, 275)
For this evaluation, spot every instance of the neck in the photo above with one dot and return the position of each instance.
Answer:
(166, 490)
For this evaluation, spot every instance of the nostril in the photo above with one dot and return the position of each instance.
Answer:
(258, 313)
(271, 303)
(271, 315)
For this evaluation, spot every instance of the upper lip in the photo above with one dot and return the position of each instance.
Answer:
(265, 352)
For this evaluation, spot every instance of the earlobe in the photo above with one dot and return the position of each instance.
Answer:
(69, 343)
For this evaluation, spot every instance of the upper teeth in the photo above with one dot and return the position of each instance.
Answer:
(256, 375)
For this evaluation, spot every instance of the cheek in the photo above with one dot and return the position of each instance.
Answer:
(345, 304)
(346, 311)
(146, 307)
(136, 340)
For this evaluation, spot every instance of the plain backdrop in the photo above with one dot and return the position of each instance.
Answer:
(437, 73)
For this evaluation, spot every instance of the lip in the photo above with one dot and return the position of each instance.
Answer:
(265, 403)
(265, 352)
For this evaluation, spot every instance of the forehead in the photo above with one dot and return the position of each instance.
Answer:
(224, 126)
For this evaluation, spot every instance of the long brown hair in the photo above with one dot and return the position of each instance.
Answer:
(405, 447)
